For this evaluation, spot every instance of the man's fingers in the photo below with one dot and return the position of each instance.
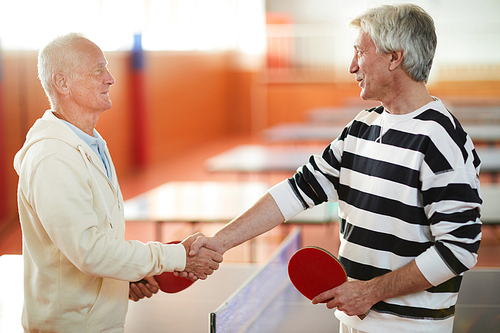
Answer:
(151, 280)
(201, 261)
(145, 291)
(196, 245)
(132, 296)
(217, 257)
(214, 265)
(324, 296)
(133, 292)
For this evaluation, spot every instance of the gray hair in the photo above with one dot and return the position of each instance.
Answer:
(405, 27)
(61, 56)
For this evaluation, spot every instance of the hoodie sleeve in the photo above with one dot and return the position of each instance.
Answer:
(61, 195)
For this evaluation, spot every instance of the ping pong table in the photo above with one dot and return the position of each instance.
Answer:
(477, 310)
(243, 298)
(189, 310)
(209, 201)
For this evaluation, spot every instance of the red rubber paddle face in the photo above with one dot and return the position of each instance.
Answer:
(313, 270)
(169, 283)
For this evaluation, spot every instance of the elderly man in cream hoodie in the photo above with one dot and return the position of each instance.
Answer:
(77, 264)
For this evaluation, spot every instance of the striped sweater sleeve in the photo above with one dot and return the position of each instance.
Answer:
(411, 192)
(451, 200)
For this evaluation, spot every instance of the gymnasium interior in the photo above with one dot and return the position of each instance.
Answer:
(215, 101)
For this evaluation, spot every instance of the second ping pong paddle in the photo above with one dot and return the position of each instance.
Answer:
(168, 282)
(314, 270)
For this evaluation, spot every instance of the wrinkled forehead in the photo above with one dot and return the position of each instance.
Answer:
(90, 55)
(362, 40)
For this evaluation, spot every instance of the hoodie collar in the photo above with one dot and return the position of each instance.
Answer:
(51, 127)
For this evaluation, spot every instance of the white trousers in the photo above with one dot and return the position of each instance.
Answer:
(346, 329)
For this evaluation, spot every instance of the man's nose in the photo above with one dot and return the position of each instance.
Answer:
(353, 67)
(109, 78)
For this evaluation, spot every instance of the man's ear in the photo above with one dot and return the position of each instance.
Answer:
(396, 60)
(60, 82)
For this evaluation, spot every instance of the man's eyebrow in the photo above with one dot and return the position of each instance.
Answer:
(102, 64)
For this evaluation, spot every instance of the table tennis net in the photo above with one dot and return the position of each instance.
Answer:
(243, 308)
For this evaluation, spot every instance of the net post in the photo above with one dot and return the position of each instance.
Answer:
(212, 322)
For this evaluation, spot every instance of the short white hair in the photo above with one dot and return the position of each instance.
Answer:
(405, 27)
(61, 56)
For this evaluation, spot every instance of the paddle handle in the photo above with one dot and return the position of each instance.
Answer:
(143, 281)
(363, 316)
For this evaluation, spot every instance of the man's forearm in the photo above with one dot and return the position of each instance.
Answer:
(263, 216)
(357, 297)
(403, 281)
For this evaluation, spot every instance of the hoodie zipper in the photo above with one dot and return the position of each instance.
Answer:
(107, 179)
(88, 160)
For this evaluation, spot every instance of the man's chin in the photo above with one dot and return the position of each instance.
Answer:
(363, 95)
(108, 105)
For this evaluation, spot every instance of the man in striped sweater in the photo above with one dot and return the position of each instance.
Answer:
(405, 175)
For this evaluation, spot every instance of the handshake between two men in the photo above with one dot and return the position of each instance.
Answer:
(200, 262)
(204, 254)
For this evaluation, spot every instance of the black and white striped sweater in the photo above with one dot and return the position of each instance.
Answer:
(408, 188)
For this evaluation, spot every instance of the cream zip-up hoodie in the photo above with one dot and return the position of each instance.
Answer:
(77, 265)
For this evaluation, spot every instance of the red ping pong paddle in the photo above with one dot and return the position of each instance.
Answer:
(168, 282)
(314, 270)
